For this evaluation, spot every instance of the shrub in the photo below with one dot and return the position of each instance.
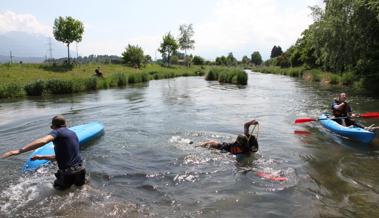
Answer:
(347, 78)
(90, 83)
(35, 88)
(334, 79)
(11, 90)
(60, 86)
(119, 79)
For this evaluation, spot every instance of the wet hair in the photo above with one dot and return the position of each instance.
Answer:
(58, 121)
(250, 142)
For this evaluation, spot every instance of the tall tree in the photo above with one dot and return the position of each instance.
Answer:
(276, 51)
(231, 60)
(256, 58)
(133, 56)
(168, 47)
(245, 60)
(185, 39)
(68, 30)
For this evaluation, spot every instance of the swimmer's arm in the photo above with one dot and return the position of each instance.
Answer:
(211, 144)
(44, 157)
(31, 146)
(247, 125)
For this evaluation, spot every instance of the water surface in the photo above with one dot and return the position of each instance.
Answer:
(144, 164)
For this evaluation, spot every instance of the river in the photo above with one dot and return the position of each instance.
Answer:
(145, 166)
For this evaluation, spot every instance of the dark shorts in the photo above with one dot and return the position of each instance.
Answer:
(65, 179)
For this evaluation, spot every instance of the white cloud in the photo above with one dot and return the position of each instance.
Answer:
(10, 21)
(235, 25)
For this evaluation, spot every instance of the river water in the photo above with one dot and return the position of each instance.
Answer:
(144, 165)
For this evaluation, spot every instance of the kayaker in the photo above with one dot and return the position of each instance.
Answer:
(66, 146)
(244, 143)
(343, 113)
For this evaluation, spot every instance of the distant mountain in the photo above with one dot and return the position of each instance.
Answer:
(25, 45)
(6, 59)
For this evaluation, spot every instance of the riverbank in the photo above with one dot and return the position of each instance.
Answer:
(315, 75)
(18, 80)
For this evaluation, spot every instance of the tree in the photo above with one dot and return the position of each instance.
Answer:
(276, 51)
(231, 60)
(221, 60)
(168, 48)
(133, 56)
(148, 59)
(256, 58)
(68, 30)
(197, 60)
(245, 60)
(185, 38)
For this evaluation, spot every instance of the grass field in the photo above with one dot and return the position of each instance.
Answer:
(17, 80)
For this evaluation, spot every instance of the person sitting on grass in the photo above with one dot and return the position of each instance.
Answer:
(343, 114)
(98, 73)
(66, 146)
(244, 144)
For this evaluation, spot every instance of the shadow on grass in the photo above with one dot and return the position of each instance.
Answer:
(61, 68)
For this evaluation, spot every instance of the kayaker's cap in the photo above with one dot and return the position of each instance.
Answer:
(58, 122)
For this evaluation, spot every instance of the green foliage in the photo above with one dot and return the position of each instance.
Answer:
(59, 86)
(35, 88)
(276, 51)
(133, 56)
(11, 90)
(174, 59)
(347, 78)
(36, 79)
(221, 61)
(68, 30)
(227, 75)
(197, 60)
(334, 79)
(185, 37)
(148, 59)
(91, 83)
(168, 47)
(343, 39)
(119, 79)
(245, 60)
(256, 58)
(138, 77)
(283, 61)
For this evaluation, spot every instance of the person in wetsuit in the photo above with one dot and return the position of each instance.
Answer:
(66, 146)
(244, 144)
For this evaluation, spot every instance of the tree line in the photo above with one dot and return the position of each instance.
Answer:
(344, 38)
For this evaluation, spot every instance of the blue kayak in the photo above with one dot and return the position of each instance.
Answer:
(354, 133)
(84, 132)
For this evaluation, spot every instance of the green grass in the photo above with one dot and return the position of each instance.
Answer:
(19, 80)
(227, 75)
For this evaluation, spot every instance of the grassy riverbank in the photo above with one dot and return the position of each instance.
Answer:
(315, 75)
(19, 80)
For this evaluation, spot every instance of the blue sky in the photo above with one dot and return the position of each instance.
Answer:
(221, 26)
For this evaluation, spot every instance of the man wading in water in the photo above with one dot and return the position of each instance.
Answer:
(66, 146)
(244, 144)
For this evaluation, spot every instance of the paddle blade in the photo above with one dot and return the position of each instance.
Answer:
(370, 115)
(304, 120)
(302, 132)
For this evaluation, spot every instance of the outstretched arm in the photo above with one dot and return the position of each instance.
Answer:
(211, 144)
(32, 146)
(247, 126)
(44, 157)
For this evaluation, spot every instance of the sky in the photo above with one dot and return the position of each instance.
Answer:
(221, 26)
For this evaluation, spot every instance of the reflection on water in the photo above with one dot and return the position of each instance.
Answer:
(148, 162)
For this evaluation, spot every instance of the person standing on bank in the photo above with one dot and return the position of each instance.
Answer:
(66, 146)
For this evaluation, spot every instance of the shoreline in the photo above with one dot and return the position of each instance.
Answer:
(21, 80)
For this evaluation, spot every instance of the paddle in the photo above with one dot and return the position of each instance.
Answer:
(365, 115)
